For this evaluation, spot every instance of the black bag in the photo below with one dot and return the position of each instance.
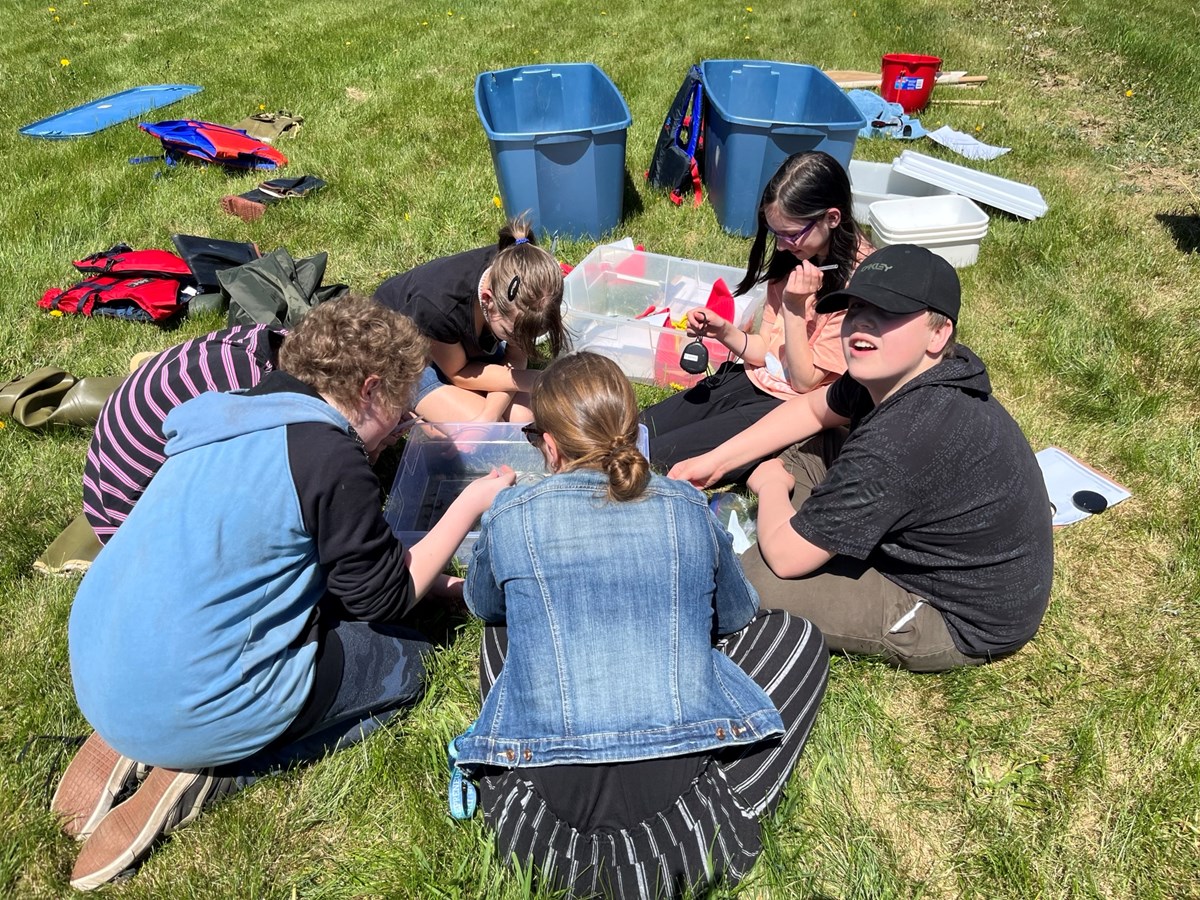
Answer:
(207, 256)
(678, 161)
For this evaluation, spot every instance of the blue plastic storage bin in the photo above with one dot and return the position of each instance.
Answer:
(557, 135)
(759, 114)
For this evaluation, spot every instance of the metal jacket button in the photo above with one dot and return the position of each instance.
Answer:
(510, 755)
(720, 733)
(527, 755)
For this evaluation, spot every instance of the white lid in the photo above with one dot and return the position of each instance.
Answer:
(1011, 196)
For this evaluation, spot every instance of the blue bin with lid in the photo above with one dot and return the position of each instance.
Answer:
(557, 135)
(759, 114)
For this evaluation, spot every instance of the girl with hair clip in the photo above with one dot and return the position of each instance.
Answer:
(640, 712)
(815, 246)
(484, 312)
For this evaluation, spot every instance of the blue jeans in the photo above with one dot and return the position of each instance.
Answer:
(383, 672)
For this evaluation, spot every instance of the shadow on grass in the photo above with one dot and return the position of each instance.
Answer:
(1184, 230)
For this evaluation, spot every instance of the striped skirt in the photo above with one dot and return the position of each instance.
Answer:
(711, 832)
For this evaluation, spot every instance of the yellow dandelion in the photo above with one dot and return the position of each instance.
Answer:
(749, 9)
(50, 8)
(449, 12)
(676, 385)
(1129, 93)
(854, 13)
(347, 43)
(604, 12)
(979, 128)
(57, 19)
(57, 313)
(64, 62)
(496, 202)
(2, 425)
(424, 23)
(262, 106)
(407, 217)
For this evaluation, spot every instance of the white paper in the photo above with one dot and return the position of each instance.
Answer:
(965, 145)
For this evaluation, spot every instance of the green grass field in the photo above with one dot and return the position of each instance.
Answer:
(1069, 770)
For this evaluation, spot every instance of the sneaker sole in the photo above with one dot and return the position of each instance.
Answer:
(127, 833)
(90, 786)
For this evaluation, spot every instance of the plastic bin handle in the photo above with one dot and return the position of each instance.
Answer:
(799, 129)
(543, 140)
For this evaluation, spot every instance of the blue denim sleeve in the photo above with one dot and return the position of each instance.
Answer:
(737, 601)
(480, 591)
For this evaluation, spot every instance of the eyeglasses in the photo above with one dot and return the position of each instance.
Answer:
(796, 236)
(532, 433)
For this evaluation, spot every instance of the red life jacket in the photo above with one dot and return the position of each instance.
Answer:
(147, 285)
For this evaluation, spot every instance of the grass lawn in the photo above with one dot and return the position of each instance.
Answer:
(1071, 769)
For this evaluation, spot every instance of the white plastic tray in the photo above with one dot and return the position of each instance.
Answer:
(931, 216)
(872, 181)
(1064, 476)
(1011, 196)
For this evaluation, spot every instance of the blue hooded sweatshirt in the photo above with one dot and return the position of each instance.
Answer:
(187, 634)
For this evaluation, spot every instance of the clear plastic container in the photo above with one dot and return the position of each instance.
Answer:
(736, 513)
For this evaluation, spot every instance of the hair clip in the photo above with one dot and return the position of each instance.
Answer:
(513, 287)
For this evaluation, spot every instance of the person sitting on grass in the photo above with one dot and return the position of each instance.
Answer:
(805, 217)
(247, 614)
(640, 713)
(126, 449)
(485, 312)
(924, 535)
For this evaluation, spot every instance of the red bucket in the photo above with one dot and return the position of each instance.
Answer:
(908, 79)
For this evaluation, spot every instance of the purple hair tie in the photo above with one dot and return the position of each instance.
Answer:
(522, 240)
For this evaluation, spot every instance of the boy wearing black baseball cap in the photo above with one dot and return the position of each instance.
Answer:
(924, 534)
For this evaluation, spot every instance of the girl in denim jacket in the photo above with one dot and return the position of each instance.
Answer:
(620, 749)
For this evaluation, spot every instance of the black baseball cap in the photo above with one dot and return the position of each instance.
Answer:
(902, 278)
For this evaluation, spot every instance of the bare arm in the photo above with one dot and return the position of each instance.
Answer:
(428, 557)
(705, 323)
(799, 302)
(788, 554)
(510, 376)
(793, 421)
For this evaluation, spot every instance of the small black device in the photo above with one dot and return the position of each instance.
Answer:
(694, 358)
(1090, 501)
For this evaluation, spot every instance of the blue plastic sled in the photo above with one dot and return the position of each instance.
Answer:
(100, 114)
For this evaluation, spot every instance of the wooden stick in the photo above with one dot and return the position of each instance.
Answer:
(950, 102)
(960, 81)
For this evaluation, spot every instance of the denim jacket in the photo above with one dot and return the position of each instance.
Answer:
(612, 609)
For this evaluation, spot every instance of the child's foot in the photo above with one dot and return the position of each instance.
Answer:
(168, 799)
(90, 786)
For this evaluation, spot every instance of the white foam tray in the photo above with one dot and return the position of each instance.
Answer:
(1011, 196)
